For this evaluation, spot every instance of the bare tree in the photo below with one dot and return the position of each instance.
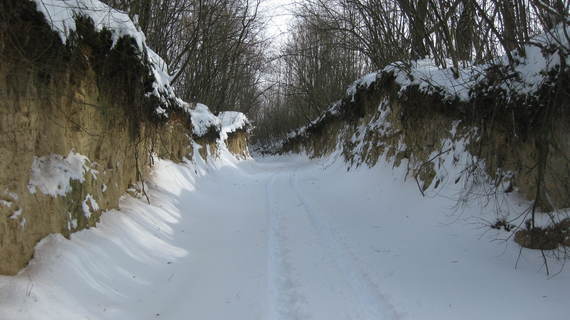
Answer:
(213, 48)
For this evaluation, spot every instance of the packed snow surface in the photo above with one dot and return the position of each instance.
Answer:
(285, 238)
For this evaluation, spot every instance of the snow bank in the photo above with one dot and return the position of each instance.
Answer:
(308, 238)
(161, 85)
(526, 76)
(363, 82)
(103, 272)
(431, 79)
(61, 14)
(232, 121)
(542, 56)
(334, 110)
(52, 174)
(202, 119)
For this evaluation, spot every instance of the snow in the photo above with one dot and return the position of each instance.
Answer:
(161, 111)
(71, 222)
(536, 64)
(161, 85)
(530, 70)
(528, 75)
(202, 119)
(60, 15)
(89, 205)
(333, 110)
(363, 82)
(52, 174)
(430, 79)
(232, 121)
(287, 238)
(283, 237)
(16, 214)
(12, 195)
(5, 203)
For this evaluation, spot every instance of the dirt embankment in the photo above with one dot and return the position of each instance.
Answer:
(522, 143)
(60, 103)
(237, 143)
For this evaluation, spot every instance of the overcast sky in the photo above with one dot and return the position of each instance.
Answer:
(278, 13)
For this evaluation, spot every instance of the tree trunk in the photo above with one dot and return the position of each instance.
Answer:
(417, 16)
(464, 31)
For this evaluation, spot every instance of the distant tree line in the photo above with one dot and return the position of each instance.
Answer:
(312, 69)
(333, 42)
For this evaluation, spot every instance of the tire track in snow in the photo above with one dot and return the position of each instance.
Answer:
(285, 302)
(372, 301)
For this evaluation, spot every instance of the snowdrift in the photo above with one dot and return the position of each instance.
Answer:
(505, 124)
(87, 108)
(95, 272)
(307, 238)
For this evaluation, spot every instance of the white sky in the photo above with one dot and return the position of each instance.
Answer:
(278, 14)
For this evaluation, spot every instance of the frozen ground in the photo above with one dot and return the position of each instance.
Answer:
(284, 238)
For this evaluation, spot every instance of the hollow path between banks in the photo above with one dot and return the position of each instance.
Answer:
(279, 239)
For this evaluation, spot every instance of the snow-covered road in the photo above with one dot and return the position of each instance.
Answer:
(279, 239)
